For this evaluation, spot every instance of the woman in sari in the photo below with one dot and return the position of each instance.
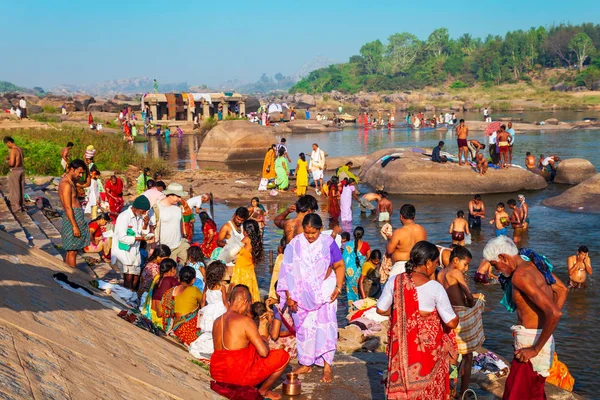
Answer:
(310, 290)
(180, 306)
(419, 351)
(268, 170)
(209, 231)
(164, 281)
(355, 254)
(142, 180)
(152, 268)
(249, 256)
(333, 196)
(114, 191)
(257, 212)
(282, 170)
(348, 192)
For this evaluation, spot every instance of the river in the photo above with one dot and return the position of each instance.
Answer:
(556, 234)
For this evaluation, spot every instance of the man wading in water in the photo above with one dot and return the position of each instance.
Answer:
(403, 239)
(292, 227)
(538, 297)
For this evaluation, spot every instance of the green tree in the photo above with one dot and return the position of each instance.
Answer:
(401, 52)
(372, 55)
(582, 46)
(437, 42)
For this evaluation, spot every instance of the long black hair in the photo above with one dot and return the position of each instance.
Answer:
(257, 309)
(422, 252)
(302, 156)
(359, 232)
(103, 216)
(204, 218)
(253, 230)
(162, 251)
(165, 266)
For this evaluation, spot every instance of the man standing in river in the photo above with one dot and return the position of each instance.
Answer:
(538, 297)
(580, 267)
(462, 132)
(293, 226)
(16, 176)
(403, 239)
(75, 233)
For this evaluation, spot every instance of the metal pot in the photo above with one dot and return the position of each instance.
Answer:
(292, 385)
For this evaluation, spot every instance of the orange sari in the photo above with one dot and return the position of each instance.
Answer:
(418, 350)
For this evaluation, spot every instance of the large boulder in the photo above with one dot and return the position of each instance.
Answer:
(334, 163)
(584, 197)
(305, 100)
(561, 87)
(123, 97)
(414, 173)
(111, 106)
(236, 142)
(34, 109)
(310, 126)
(552, 121)
(252, 104)
(96, 107)
(574, 171)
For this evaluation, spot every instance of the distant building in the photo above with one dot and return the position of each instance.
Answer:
(183, 106)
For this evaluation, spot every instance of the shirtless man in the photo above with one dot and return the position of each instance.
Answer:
(65, 155)
(476, 212)
(501, 220)
(75, 233)
(504, 140)
(524, 208)
(515, 220)
(293, 226)
(484, 273)
(474, 147)
(579, 267)
(463, 146)
(482, 164)
(365, 201)
(233, 227)
(530, 161)
(242, 357)
(538, 297)
(459, 228)
(16, 176)
(384, 208)
(403, 239)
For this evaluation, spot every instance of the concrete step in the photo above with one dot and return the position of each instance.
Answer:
(47, 227)
(11, 225)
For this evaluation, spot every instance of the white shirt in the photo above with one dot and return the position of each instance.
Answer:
(492, 138)
(317, 159)
(126, 220)
(170, 225)
(153, 195)
(22, 103)
(431, 296)
(195, 201)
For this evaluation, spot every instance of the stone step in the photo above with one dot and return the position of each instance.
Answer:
(11, 225)
(47, 227)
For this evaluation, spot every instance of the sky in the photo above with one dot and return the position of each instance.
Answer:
(48, 43)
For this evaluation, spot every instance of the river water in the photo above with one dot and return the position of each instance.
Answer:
(554, 233)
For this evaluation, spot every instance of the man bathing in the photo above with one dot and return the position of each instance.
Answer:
(459, 228)
(403, 239)
(384, 208)
(484, 273)
(365, 201)
(524, 208)
(293, 226)
(462, 132)
(501, 220)
(538, 297)
(580, 267)
(241, 355)
(530, 161)
(515, 220)
(476, 212)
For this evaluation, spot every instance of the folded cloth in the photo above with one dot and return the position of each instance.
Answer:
(469, 332)
(384, 268)
(236, 392)
(526, 338)
(560, 375)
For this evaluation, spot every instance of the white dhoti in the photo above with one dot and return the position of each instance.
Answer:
(317, 174)
(398, 268)
(526, 338)
(384, 216)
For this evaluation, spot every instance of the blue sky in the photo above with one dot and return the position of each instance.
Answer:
(53, 42)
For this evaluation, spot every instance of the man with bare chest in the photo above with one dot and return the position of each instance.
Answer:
(293, 226)
(16, 176)
(75, 233)
(384, 207)
(403, 239)
(538, 297)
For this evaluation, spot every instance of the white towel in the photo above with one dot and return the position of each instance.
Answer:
(526, 338)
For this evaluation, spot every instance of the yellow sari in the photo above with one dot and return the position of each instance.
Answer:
(268, 170)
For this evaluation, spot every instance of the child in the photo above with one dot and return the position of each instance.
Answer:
(368, 283)
(282, 332)
(345, 239)
(515, 220)
(469, 332)
(214, 304)
(301, 175)
(195, 259)
(458, 228)
(484, 273)
(501, 220)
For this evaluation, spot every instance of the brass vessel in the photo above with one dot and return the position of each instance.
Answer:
(292, 385)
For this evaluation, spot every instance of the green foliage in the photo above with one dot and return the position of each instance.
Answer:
(45, 118)
(404, 62)
(208, 124)
(458, 85)
(589, 77)
(50, 109)
(41, 148)
(9, 87)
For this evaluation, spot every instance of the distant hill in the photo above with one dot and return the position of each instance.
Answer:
(6, 87)
(120, 86)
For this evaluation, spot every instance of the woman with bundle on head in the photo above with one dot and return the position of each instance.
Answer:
(419, 350)
(249, 256)
(356, 252)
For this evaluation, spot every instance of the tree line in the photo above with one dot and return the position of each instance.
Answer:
(406, 62)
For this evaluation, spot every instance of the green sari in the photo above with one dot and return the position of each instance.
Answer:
(282, 171)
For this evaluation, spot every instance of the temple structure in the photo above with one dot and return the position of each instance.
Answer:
(183, 106)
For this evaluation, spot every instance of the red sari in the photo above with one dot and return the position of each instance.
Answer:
(418, 350)
(115, 198)
(206, 246)
(334, 202)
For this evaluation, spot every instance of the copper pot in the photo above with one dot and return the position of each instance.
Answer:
(292, 385)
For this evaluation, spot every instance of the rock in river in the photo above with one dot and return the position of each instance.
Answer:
(574, 171)
(236, 141)
(584, 197)
(415, 173)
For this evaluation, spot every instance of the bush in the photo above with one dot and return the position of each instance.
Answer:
(41, 148)
(50, 109)
(458, 85)
(45, 118)
(208, 124)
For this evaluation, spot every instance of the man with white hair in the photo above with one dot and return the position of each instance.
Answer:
(538, 296)
(524, 209)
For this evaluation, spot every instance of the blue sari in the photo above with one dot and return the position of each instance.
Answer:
(353, 270)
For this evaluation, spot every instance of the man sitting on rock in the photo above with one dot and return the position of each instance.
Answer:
(435, 154)
(241, 356)
(482, 164)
